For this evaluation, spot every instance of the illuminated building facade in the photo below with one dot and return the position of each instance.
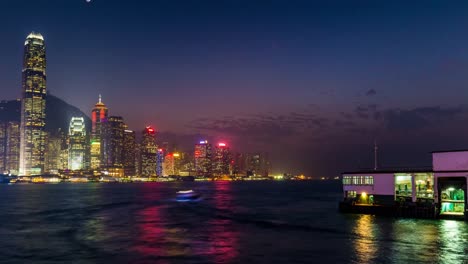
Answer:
(57, 146)
(32, 144)
(10, 117)
(3, 142)
(113, 142)
(222, 160)
(203, 155)
(160, 162)
(99, 116)
(13, 147)
(77, 144)
(148, 153)
(171, 164)
(129, 153)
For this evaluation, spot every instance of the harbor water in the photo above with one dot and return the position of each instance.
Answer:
(231, 222)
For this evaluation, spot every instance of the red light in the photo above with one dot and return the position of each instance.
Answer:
(93, 117)
(160, 150)
(222, 144)
(149, 129)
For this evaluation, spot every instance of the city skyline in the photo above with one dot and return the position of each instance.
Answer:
(317, 81)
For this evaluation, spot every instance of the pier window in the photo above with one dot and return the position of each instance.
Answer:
(424, 185)
(358, 180)
(351, 194)
(452, 201)
(403, 187)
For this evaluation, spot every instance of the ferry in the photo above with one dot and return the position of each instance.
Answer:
(186, 196)
(435, 192)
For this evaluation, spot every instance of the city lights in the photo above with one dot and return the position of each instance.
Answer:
(108, 150)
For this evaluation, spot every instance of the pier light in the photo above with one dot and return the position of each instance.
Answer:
(364, 194)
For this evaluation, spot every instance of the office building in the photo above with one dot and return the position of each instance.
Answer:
(203, 156)
(99, 117)
(148, 153)
(33, 136)
(222, 160)
(129, 153)
(77, 144)
(113, 142)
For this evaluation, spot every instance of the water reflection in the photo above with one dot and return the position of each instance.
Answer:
(223, 238)
(453, 241)
(157, 232)
(365, 245)
(414, 239)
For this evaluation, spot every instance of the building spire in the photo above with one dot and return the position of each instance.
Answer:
(375, 154)
(100, 98)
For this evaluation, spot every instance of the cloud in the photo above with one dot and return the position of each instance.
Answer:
(371, 92)
(325, 143)
(422, 117)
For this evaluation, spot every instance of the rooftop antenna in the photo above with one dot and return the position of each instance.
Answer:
(375, 154)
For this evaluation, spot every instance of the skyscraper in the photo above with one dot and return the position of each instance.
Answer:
(33, 106)
(113, 139)
(171, 164)
(129, 152)
(160, 162)
(3, 142)
(77, 144)
(57, 151)
(222, 160)
(148, 152)
(12, 147)
(203, 155)
(99, 118)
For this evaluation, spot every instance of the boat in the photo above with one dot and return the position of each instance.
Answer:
(187, 196)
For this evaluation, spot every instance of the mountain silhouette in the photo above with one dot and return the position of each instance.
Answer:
(58, 113)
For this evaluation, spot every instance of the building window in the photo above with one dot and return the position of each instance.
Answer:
(453, 201)
(403, 187)
(424, 185)
(351, 194)
(358, 180)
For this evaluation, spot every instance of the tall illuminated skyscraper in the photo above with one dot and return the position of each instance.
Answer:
(160, 162)
(222, 160)
(113, 142)
(77, 144)
(57, 151)
(32, 146)
(99, 118)
(9, 147)
(13, 147)
(3, 143)
(203, 157)
(148, 152)
(129, 152)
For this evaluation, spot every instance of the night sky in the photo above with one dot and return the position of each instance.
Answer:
(312, 83)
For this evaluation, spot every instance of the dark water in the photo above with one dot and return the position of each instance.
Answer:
(235, 222)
